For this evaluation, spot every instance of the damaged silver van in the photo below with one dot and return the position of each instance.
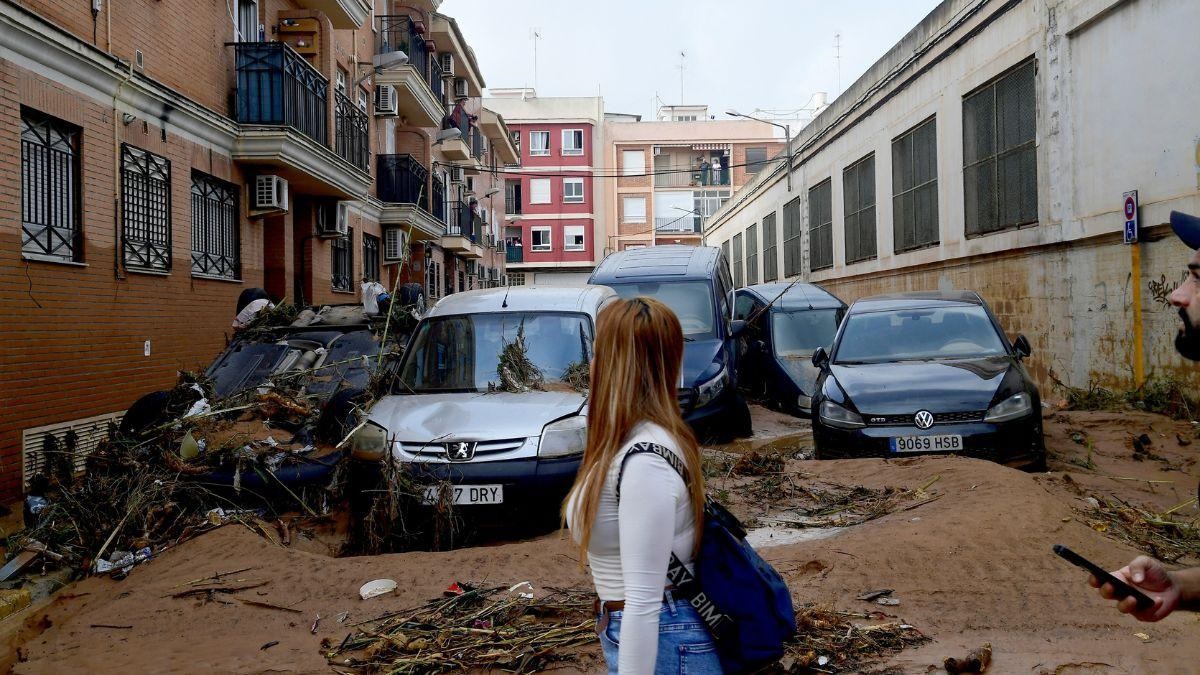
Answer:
(489, 399)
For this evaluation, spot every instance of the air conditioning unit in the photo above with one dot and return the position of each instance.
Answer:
(456, 174)
(385, 101)
(447, 63)
(395, 244)
(270, 193)
(333, 219)
(460, 87)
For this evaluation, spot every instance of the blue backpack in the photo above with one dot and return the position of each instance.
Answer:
(743, 601)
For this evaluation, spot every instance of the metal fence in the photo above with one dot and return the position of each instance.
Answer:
(276, 86)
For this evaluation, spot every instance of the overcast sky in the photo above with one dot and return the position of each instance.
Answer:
(749, 54)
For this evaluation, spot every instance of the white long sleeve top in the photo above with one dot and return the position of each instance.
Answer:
(631, 544)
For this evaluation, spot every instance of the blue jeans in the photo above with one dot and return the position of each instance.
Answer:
(684, 645)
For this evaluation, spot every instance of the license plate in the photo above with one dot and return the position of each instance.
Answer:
(466, 494)
(944, 443)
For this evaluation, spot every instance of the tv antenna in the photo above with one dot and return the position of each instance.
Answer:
(837, 57)
(682, 66)
(534, 36)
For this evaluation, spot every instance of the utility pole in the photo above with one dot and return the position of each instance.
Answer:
(787, 133)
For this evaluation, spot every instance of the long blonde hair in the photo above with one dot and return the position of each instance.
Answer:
(634, 378)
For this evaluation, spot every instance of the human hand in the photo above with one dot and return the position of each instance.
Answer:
(1152, 578)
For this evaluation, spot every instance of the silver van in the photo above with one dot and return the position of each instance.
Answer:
(491, 395)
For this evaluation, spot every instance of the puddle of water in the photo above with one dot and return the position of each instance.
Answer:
(779, 535)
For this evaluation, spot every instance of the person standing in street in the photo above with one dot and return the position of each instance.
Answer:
(1170, 589)
(630, 514)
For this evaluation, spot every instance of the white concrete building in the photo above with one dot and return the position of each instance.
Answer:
(990, 149)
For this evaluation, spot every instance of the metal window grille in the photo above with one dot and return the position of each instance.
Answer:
(50, 188)
(820, 225)
(914, 188)
(725, 250)
(146, 208)
(770, 254)
(792, 241)
(215, 250)
(370, 257)
(752, 255)
(431, 277)
(858, 199)
(342, 266)
(1000, 152)
(756, 158)
(738, 262)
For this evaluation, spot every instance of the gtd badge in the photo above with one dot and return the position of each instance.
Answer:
(923, 419)
(460, 452)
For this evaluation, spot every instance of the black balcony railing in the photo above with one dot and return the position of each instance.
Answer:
(463, 125)
(401, 179)
(438, 205)
(435, 78)
(276, 86)
(460, 224)
(350, 132)
(478, 143)
(685, 224)
(514, 254)
(398, 33)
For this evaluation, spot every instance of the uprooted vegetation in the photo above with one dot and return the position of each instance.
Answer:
(517, 373)
(1166, 536)
(829, 641)
(1165, 396)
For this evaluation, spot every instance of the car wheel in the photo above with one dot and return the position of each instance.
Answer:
(743, 426)
(338, 417)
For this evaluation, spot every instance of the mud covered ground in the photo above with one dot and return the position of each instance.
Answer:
(964, 545)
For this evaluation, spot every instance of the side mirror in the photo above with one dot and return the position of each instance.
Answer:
(1021, 346)
(737, 328)
(820, 358)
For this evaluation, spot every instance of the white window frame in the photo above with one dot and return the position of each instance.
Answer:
(625, 201)
(340, 82)
(628, 169)
(533, 192)
(244, 9)
(541, 248)
(534, 150)
(567, 150)
(572, 231)
(570, 198)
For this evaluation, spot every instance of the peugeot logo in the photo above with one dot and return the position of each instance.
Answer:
(460, 452)
(923, 419)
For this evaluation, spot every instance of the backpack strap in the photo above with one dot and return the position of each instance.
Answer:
(672, 459)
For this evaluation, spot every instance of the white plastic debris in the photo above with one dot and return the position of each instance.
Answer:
(198, 408)
(822, 660)
(270, 441)
(375, 588)
(523, 585)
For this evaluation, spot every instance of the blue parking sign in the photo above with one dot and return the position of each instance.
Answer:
(1131, 233)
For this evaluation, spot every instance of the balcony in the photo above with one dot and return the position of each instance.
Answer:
(494, 128)
(346, 14)
(682, 170)
(438, 200)
(687, 224)
(402, 185)
(514, 254)
(282, 107)
(463, 231)
(458, 149)
(414, 79)
(350, 133)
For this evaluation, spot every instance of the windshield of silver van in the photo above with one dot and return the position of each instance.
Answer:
(690, 300)
(511, 351)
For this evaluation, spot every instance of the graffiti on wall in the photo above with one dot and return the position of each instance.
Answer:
(1161, 289)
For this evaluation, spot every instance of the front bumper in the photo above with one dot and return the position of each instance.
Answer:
(719, 418)
(525, 480)
(1015, 443)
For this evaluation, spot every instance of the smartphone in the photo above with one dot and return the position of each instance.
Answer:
(1122, 589)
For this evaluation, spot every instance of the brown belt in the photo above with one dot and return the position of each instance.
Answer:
(610, 606)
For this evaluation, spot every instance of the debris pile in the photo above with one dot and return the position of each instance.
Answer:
(474, 629)
(758, 464)
(517, 373)
(829, 641)
(1165, 396)
(1164, 536)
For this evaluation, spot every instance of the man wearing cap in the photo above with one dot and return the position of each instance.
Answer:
(1170, 589)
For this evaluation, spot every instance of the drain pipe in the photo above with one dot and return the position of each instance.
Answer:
(118, 239)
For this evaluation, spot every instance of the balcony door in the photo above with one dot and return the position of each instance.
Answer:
(247, 20)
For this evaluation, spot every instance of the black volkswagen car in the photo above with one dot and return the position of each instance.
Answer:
(929, 372)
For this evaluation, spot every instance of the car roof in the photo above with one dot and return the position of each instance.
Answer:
(672, 260)
(586, 299)
(916, 300)
(795, 296)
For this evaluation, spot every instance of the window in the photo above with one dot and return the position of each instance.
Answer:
(247, 21)
(755, 159)
(914, 188)
(539, 143)
(820, 225)
(215, 221)
(793, 256)
(146, 204)
(752, 255)
(370, 257)
(342, 264)
(633, 210)
(770, 254)
(541, 239)
(512, 197)
(516, 139)
(362, 99)
(858, 200)
(516, 278)
(573, 238)
(340, 82)
(539, 190)
(737, 260)
(572, 142)
(725, 251)
(633, 162)
(999, 152)
(572, 190)
(50, 188)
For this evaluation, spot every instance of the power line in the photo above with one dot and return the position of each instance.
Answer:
(579, 173)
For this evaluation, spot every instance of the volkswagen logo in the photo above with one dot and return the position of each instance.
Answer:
(923, 419)
(460, 452)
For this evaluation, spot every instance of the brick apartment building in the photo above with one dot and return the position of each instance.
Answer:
(156, 158)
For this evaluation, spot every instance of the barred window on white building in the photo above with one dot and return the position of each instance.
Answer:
(820, 225)
(1000, 152)
(215, 246)
(793, 253)
(752, 255)
(858, 200)
(915, 188)
(738, 263)
(770, 236)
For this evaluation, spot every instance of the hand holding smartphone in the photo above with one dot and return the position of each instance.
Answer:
(1122, 589)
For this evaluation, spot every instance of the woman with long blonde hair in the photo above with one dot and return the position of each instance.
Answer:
(629, 512)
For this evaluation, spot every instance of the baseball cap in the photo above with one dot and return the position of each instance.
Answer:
(1187, 228)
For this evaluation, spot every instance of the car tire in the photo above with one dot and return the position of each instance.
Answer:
(338, 417)
(743, 426)
(146, 412)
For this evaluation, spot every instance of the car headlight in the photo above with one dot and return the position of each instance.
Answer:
(369, 443)
(804, 402)
(712, 388)
(1017, 405)
(836, 416)
(564, 437)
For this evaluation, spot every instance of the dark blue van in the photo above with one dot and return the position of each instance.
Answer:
(694, 282)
